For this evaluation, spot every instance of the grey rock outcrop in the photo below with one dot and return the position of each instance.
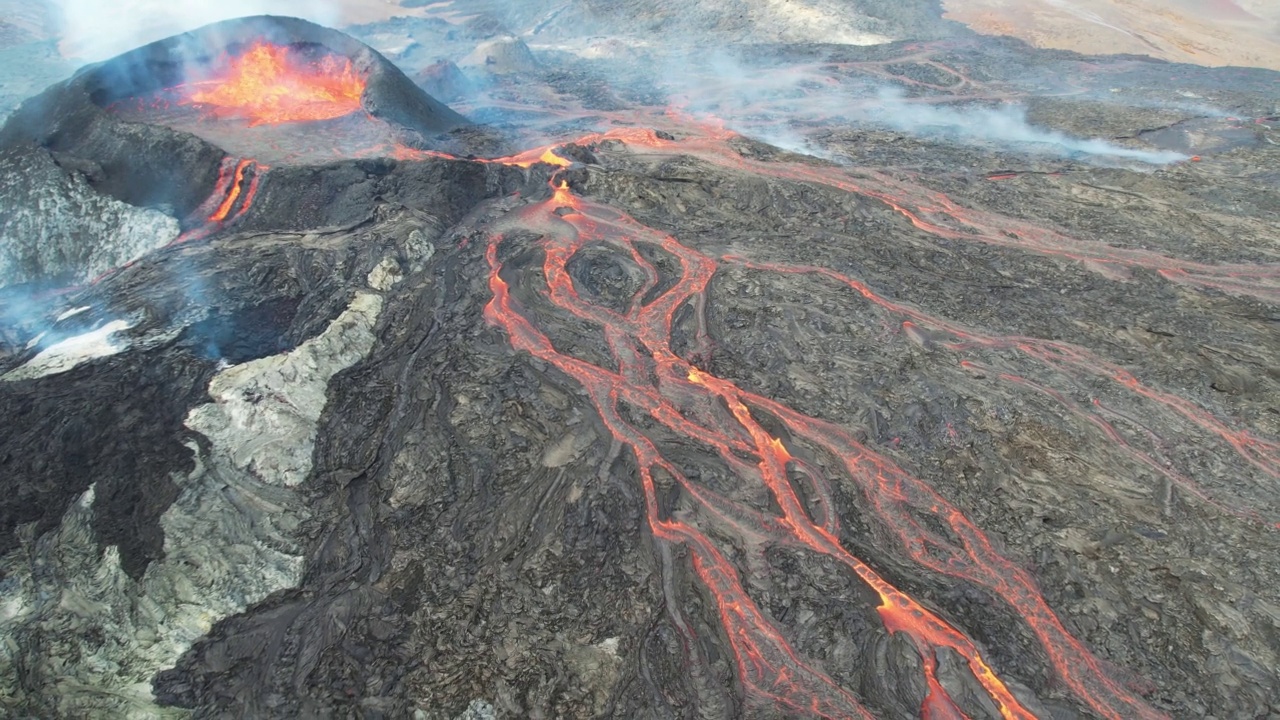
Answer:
(53, 224)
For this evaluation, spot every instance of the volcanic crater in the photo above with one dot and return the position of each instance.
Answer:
(772, 399)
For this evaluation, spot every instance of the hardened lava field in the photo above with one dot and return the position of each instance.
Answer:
(616, 408)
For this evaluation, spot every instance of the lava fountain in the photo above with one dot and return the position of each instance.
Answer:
(272, 84)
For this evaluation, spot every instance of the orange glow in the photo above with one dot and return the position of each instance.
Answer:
(224, 209)
(780, 450)
(565, 198)
(232, 196)
(647, 376)
(272, 84)
(650, 377)
(767, 664)
(401, 152)
(532, 157)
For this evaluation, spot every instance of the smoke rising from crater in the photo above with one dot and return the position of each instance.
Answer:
(92, 30)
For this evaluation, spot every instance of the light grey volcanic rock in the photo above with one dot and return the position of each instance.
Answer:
(87, 636)
(53, 224)
(65, 355)
(263, 418)
(92, 609)
(501, 56)
(473, 536)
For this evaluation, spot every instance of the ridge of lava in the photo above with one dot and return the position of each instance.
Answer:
(380, 411)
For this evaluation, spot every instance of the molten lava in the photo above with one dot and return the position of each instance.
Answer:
(224, 208)
(648, 377)
(273, 84)
(655, 381)
(232, 196)
(762, 441)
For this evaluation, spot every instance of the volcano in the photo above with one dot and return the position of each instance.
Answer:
(928, 378)
(189, 126)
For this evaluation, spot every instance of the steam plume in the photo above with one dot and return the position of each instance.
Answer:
(1007, 124)
(93, 30)
(749, 99)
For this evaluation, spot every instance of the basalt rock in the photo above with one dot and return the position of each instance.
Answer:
(148, 164)
(674, 423)
(501, 56)
(445, 80)
(57, 227)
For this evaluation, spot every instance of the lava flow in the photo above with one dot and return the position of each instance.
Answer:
(273, 84)
(232, 196)
(652, 380)
(938, 215)
(648, 378)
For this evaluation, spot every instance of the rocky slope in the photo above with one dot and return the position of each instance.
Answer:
(967, 401)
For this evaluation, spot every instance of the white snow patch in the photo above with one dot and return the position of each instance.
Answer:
(36, 340)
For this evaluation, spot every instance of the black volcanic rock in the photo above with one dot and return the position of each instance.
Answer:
(71, 153)
(696, 426)
(445, 80)
(501, 56)
(151, 165)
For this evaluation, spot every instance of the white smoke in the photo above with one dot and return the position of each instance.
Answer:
(93, 30)
(1006, 125)
(750, 99)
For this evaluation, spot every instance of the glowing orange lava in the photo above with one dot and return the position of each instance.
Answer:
(648, 378)
(273, 84)
(652, 379)
(224, 208)
(232, 196)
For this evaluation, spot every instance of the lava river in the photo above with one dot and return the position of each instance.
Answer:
(763, 443)
(652, 379)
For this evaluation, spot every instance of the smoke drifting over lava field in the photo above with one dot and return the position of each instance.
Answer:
(662, 360)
